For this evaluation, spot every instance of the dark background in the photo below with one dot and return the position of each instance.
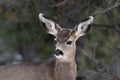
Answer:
(22, 38)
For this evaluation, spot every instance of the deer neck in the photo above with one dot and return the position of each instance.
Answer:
(64, 69)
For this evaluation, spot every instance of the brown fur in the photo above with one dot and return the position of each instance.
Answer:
(52, 70)
(66, 73)
(63, 35)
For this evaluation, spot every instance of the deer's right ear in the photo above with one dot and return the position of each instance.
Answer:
(83, 27)
(50, 26)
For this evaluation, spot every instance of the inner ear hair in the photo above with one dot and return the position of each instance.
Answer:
(88, 28)
(57, 27)
(44, 26)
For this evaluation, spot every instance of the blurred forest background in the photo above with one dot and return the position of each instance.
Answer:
(22, 38)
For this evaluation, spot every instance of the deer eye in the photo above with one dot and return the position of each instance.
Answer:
(69, 42)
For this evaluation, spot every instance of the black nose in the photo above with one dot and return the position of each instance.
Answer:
(58, 52)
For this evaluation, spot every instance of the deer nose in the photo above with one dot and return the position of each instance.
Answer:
(58, 52)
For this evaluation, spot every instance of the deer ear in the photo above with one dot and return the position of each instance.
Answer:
(50, 26)
(83, 27)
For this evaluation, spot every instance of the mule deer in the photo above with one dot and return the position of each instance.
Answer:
(62, 66)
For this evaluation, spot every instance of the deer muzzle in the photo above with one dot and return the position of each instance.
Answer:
(58, 52)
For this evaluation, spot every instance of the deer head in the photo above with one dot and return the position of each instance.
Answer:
(65, 38)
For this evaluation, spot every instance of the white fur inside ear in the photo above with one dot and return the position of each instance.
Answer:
(49, 23)
(82, 27)
(46, 21)
(78, 29)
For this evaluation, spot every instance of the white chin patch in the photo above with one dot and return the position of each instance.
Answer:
(58, 56)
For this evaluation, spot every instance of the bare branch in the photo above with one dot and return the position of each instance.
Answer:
(108, 9)
(59, 4)
(112, 18)
(103, 26)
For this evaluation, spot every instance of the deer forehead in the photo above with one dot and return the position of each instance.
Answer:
(64, 35)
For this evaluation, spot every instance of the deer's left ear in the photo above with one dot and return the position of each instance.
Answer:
(50, 26)
(83, 27)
